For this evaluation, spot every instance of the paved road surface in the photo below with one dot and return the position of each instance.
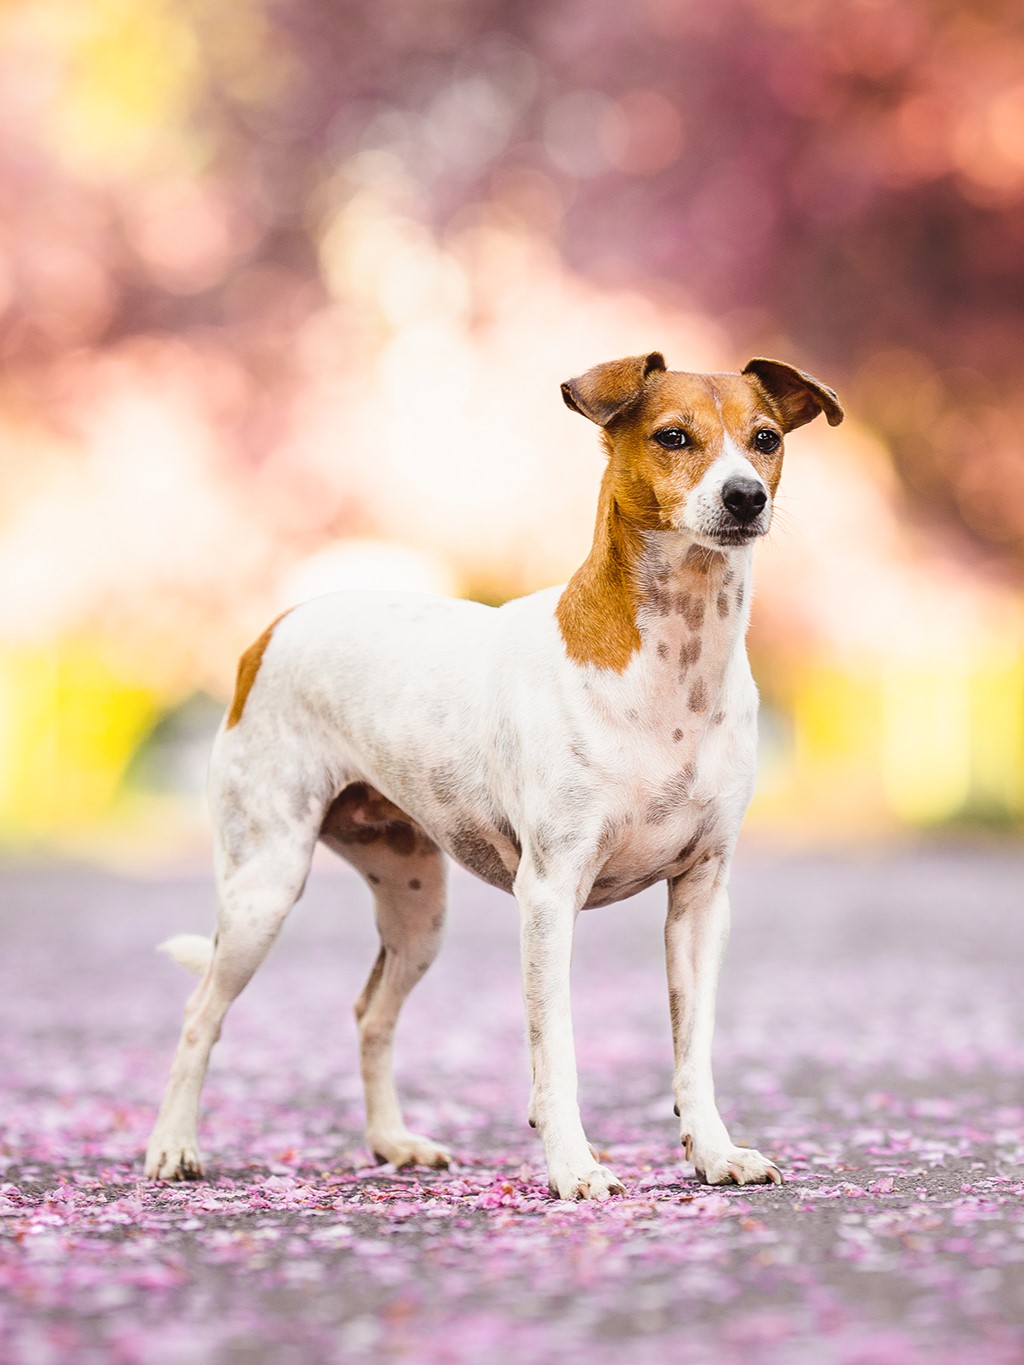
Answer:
(871, 1038)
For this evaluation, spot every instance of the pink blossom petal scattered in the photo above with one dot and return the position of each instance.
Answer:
(871, 1039)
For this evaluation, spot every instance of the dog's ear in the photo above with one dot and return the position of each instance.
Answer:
(607, 390)
(795, 395)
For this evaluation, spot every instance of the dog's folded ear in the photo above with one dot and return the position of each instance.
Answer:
(609, 389)
(796, 396)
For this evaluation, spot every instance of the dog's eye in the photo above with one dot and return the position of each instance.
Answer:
(672, 438)
(767, 440)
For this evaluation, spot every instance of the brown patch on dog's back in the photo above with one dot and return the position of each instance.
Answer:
(248, 667)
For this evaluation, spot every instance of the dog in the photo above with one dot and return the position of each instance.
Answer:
(572, 747)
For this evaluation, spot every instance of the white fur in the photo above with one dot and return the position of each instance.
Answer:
(192, 951)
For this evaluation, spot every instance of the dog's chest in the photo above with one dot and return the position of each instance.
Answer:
(677, 733)
(661, 825)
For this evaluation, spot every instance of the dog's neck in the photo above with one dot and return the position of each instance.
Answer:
(692, 616)
(654, 593)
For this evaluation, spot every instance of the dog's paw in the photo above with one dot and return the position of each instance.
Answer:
(173, 1160)
(734, 1166)
(596, 1183)
(407, 1149)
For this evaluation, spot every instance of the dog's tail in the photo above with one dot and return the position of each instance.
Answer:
(190, 950)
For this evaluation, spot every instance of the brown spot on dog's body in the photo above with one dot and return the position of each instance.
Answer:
(414, 884)
(400, 838)
(475, 851)
(610, 831)
(444, 784)
(506, 832)
(685, 857)
(359, 806)
(579, 752)
(677, 735)
(361, 815)
(671, 796)
(698, 699)
(662, 649)
(723, 604)
(689, 652)
(248, 667)
(694, 613)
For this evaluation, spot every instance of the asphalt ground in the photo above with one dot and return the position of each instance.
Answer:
(870, 1038)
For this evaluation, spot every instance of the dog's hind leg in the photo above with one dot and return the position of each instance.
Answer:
(406, 872)
(261, 869)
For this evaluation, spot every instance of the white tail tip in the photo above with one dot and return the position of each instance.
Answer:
(190, 950)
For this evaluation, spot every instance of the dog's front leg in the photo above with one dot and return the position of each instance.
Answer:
(548, 916)
(695, 937)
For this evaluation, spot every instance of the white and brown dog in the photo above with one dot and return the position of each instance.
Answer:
(572, 747)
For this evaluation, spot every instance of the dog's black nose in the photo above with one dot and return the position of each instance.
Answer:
(744, 498)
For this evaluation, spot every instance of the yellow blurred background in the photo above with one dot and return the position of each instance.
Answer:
(287, 291)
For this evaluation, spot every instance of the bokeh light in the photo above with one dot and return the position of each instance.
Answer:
(286, 294)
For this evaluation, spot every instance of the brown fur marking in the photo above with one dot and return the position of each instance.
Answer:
(597, 612)
(689, 652)
(248, 667)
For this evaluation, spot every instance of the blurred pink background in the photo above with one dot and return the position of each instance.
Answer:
(287, 292)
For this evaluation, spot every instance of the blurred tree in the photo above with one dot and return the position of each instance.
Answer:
(842, 176)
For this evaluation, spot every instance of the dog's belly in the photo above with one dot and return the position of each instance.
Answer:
(492, 852)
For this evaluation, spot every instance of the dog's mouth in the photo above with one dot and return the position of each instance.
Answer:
(734, 534)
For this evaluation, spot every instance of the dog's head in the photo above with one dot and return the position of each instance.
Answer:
(698, 453)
